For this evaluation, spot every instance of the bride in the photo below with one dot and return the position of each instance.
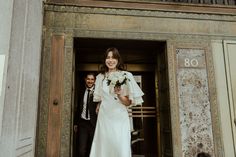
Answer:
(116, 89)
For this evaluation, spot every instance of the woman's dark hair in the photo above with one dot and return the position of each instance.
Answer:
(116, 55)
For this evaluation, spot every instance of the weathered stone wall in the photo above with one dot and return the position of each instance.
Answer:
(152, 24)
(194, 103)
(5, 31)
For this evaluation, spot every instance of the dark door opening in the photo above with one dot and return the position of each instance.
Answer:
(151, 128)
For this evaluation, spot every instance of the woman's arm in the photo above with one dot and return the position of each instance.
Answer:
(124, 99)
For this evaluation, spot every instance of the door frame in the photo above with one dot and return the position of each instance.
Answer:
(84, 67)
(71, 24)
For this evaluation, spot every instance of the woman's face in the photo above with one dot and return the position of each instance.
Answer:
(111, 62)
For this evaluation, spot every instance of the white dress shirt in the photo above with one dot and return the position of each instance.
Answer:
(83, 114)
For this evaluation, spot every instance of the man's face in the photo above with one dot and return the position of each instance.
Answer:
(89, 81)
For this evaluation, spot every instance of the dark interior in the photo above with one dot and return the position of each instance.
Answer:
(90, 50)
(146, 135)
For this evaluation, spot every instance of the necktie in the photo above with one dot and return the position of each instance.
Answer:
(87, 103)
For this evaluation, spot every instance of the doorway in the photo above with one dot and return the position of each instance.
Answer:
(151, 127)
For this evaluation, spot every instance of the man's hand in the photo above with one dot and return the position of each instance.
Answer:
(75, 128)
(97, 108)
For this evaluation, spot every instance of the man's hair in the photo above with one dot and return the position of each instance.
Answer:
(90, 73)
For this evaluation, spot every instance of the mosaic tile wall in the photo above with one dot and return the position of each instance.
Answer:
(194, 104)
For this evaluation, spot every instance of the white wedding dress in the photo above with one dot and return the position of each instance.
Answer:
(112, 133)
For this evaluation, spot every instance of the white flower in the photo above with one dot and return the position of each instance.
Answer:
(117, 79)
(113, 81)
(121, 79)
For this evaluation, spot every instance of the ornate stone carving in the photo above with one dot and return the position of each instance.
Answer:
(194, 103)
(143, 13)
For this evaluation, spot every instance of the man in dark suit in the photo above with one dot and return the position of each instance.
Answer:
(87, 116)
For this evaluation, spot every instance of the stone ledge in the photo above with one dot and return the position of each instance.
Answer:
(141, 12)
(156, 6)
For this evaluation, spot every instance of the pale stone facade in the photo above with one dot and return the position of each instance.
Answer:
(20, 49)
(223, 54)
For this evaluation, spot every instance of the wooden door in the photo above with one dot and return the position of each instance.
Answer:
(55, 102)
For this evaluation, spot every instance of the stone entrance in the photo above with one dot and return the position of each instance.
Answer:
(189, 72)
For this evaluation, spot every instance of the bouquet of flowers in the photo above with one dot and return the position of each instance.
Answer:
(117, 79)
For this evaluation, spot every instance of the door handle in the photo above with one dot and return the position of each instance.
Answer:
(235, 121)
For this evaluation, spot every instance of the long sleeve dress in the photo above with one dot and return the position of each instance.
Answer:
(112, 134)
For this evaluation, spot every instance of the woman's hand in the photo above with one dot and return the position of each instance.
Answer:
(124, 99)
(117, 90)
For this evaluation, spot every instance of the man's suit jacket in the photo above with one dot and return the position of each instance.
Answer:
(91, 105)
